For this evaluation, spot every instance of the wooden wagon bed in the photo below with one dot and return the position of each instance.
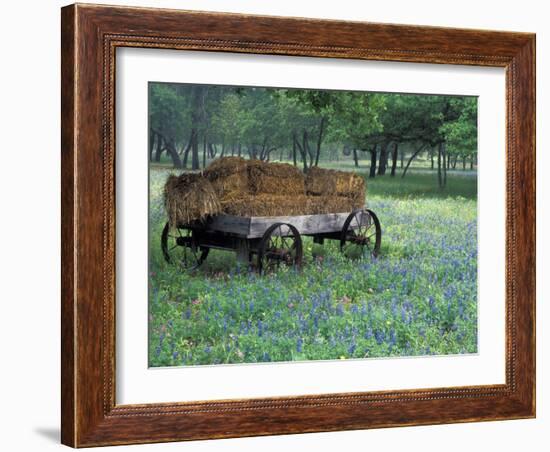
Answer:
(263, 241)
(255, 227)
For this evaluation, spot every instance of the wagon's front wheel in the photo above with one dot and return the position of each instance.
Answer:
(280, 244)
(361, 232)
(180, 246)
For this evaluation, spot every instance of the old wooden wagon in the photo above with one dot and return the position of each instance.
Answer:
(265, 243)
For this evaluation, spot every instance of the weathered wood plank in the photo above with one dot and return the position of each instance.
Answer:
(254, 227)
(230, 224)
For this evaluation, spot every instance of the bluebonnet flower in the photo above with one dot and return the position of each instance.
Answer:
(260, 328)
(393, 337)
(431, 303)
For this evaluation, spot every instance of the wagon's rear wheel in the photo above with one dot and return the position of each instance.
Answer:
(280, 244)
(361, 233)
(180, 246)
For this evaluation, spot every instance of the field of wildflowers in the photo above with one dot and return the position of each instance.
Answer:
(418, 298)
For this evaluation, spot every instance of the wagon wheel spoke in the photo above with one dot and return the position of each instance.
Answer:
(280, 245)
(361, 230)
(182, 248)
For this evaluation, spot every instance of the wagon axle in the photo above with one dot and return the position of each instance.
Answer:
(280, 255)
(184, 241)
(359, 240)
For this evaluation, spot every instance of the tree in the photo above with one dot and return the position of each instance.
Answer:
(167, 115)
(307, 114)
(356, 120)
(461, 133)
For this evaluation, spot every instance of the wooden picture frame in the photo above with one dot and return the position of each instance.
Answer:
(90, 36)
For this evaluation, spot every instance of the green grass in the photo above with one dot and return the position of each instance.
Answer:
(418, 298)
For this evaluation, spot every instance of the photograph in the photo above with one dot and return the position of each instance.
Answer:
(298, 224)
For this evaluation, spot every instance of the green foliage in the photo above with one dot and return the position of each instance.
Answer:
(461, 133)
(169, 110)
(357, 117)
(310, 123)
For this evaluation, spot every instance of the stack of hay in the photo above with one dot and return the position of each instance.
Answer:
(228, 176)
(236, 186)
(340, 190)
(257, 188)
(188, 198)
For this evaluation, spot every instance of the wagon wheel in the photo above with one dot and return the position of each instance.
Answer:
(361, 232)
(280, 244)
(180, 246)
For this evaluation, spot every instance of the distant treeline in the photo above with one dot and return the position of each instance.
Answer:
(193, 124)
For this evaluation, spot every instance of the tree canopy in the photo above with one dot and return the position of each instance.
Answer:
(189, 123)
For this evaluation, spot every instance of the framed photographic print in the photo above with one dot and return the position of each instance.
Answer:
(281, 225)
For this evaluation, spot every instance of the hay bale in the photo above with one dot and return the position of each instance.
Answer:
(326, 182)
(232, 176)
(275, 179)
(225, 166)
(320, 182)
(189, 197)
(231, 185)
(330, 204)
(267, 205)
(229, 176)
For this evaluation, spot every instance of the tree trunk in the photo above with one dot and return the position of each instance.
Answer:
(294, 151)
(394, 160)
(159, 150)
(188, 148)
(454, 162)
(307, 151)
(197, 117)
(442, 165)
(171, 150)
(383, 159)
(445, 156)
(239, 150)
(151, 144)
(432, 158)
(414, 154)
(402, 154)
(195, 152)
(355, 158)
(204, 148)
(464, 163)
(302, 151)
(320, 140)
(439, 177)
(372, 172)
